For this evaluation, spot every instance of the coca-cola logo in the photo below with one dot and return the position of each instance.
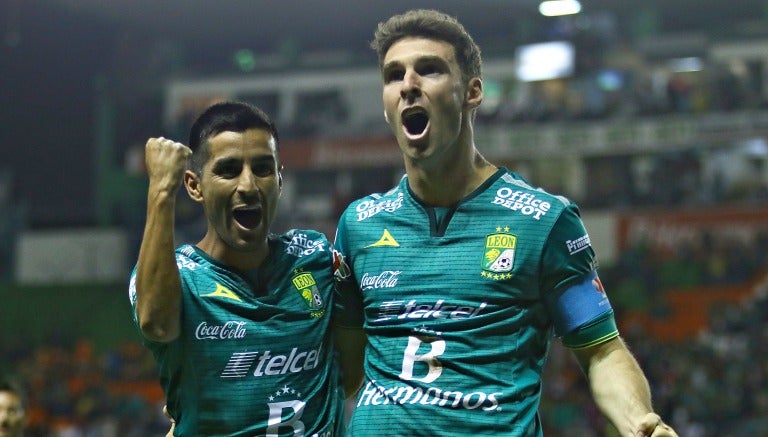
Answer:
(385, 279)
(230, 330)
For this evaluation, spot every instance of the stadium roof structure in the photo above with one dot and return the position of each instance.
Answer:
(326, 24)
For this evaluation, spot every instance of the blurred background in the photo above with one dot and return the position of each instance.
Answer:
(652, 116)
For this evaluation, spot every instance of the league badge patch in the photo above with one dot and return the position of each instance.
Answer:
(341, 270)
(499, 254)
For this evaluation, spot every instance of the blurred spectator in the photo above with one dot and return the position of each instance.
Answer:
(12, 410)
(75, 392)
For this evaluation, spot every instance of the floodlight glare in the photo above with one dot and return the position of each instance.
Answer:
(556, 8)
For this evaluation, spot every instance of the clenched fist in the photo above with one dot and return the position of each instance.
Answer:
(653, 426)
(166, 162)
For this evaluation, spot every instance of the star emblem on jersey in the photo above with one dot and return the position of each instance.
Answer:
(307, 286)
(283, 392)
(224, 292)
(499, 254)
(385, 240)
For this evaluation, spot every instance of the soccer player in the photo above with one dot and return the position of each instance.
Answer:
(456, 278)
(239, 323)
(12, 410)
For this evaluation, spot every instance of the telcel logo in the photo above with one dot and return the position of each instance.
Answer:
(439, 310)
(272, 363)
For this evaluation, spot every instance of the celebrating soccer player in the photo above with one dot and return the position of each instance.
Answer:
(239, 322)
(457, 278)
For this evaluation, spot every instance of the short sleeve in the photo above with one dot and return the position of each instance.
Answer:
(574, 295)
(348, 302)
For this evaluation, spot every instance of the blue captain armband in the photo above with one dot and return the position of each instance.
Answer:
(583, 315)
(595, 332)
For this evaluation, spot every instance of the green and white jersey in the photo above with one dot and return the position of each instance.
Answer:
(460, 304)
(254, 357)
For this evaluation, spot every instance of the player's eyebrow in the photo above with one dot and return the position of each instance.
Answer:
(225, 162)
(420, 59)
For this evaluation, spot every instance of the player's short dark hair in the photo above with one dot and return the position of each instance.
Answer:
(432, 24)
(221, 117)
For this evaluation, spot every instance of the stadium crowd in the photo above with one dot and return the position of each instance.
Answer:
(713, 383)
(74, 391)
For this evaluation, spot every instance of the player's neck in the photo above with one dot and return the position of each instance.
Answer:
(446, 184)
(236, 259)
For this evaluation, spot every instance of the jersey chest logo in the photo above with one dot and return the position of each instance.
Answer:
(307, 287)
(223, 292)
(385, 240)
(499, 254)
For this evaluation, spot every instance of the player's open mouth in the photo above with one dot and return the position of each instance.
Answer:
(247, 217)
(415, 121)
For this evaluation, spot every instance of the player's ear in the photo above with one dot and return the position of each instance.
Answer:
(280, 180)
(192, 184)
(386, 117)
(474, 93)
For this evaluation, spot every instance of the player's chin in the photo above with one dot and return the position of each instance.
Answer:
(250, 240)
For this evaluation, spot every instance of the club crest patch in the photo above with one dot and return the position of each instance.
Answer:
(307, 286)
(499, 255)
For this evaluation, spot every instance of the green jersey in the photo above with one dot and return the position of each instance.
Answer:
(254, 357)
(460, 304)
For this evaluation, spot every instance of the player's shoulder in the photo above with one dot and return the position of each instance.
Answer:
(515, 181)
(302, 242)
(515, 193)
(374, 203)
(187, 254)
(191, 260)
(297, 235)
(186, 251)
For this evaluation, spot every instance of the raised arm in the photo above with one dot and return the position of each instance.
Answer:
(621, 390)
(158, 284)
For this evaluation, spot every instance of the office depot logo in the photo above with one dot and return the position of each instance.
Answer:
(369, 208)
(522, 201)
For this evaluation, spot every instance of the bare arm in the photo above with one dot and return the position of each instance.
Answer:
(621, 390)
(171, 419)
(158, 284)
(350, 342)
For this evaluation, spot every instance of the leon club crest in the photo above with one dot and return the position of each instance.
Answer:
(307, 286)
(499, 255)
